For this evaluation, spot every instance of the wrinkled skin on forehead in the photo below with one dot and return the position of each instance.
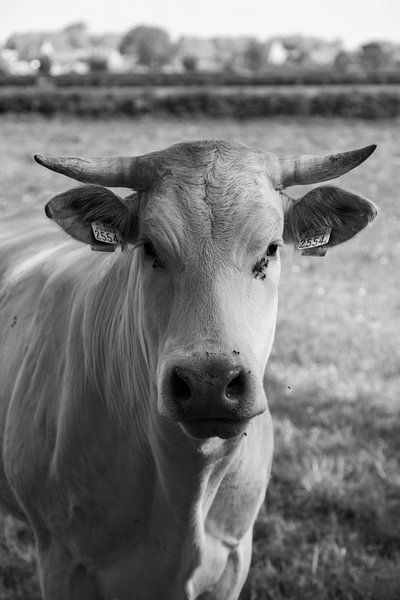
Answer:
(214, 192)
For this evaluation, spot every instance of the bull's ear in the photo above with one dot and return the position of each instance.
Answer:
(324, 217)
(94, 215)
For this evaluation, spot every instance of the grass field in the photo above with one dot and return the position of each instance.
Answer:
(330, 527)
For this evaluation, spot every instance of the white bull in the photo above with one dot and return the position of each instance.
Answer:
(136, 437)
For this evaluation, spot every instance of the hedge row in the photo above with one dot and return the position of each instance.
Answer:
(368, 103)
(274, 76)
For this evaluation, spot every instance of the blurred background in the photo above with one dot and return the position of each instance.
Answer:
(89, 78)
(309, 58)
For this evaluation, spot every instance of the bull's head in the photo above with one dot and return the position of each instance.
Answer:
(205, 226)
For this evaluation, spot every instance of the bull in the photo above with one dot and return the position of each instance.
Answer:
(136, 437)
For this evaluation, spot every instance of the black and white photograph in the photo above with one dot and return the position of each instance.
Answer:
(169, 430)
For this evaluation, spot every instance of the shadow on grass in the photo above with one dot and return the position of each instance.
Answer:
(18, 580)
(330, 526)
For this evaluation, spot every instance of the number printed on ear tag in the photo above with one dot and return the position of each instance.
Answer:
(106, 233)
(312, 239)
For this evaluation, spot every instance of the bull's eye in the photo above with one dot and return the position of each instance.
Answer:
(261, 265)
(149, 249)
(151, 253)
(272, 249)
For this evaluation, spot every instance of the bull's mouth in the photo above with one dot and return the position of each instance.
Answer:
(215, 427)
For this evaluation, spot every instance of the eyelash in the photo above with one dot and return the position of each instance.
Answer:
(262, 264)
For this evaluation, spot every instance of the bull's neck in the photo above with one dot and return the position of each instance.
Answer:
(187, 469)
(189, 475)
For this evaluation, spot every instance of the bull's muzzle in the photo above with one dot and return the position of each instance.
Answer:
(210, 394)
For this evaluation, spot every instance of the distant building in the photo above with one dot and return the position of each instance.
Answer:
(13, 65)
(324, 53)
(201, 49)
(47, 49)
(115, 61)
(277, 54)
(213, 54)
(63, 68)
(306, 50)
(70, 50)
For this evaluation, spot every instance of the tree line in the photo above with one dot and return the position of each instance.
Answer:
(152, 48)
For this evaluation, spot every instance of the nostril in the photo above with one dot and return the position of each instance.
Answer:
(236, 386)
(180, 389)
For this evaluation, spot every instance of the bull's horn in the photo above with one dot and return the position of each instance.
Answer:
(304, 169)
(138, 173)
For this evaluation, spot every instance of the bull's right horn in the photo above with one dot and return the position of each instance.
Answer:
(138, 173)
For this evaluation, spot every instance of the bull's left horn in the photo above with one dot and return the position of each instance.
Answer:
(304, 169)
(138, 173)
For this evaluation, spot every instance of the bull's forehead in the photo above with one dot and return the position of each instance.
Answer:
(214, 190)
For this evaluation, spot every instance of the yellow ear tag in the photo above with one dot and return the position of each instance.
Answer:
(315, 239)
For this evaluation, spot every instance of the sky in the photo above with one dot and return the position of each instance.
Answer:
(353, 21)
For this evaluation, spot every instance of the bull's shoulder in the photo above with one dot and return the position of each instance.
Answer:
(41, 275)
